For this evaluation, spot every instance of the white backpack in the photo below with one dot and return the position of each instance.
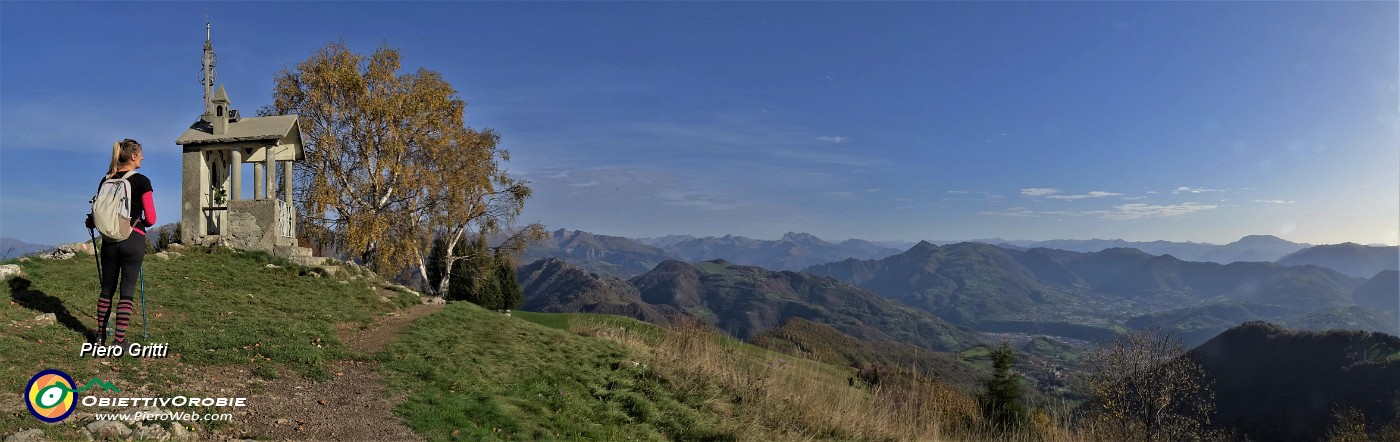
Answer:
(111, 208)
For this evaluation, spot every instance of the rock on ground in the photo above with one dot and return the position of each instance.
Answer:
(179, 433)
(150, 432)
(106, 429)
(9, 270)
(32, 435)
(68, 251)
(45, 319)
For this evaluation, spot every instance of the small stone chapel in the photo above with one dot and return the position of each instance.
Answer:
(215, 208)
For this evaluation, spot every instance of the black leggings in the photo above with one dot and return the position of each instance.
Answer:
(120, 259)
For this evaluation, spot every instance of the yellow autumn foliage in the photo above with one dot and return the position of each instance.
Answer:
(390, 162)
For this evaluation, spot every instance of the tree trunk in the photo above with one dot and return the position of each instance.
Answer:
(449, 260)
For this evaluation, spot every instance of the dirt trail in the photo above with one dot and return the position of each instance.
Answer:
(353, 405)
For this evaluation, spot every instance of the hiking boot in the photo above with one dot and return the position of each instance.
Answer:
(99, 338)
(119, 342)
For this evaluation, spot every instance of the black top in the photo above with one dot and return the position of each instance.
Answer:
(140, 186)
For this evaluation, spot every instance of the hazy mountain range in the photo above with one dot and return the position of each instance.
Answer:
(10, 248)
(607, 255)
(1086, 295)
(1039, 290)
(793, 251)
(628, 257)
(1257, 248)
(625, 257)
(1349, 258)
(744, 301)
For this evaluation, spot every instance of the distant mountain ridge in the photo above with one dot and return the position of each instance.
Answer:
(1196, 325)
(1381, 292)
(607, 255)
(1349, 258)
(744, 301)
(1253, 248)
(793, 251)
(1007, 288)
(992, 288)
(570, 289)
(11, 248)
(626, 257)
(962, 282)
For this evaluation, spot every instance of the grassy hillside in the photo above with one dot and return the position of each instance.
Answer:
(823, 343)
(224, 308)
(471, 374)
(462, 373)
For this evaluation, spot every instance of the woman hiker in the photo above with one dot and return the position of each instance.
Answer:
(121, 260)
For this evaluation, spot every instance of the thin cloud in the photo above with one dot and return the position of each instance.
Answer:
(1184, 189)
(1274, 201)
(1139, 211)
(1025, 212)
(696, 200)
(589, 183)
(1120, 212)
(837, 140)
(1039, 191)
(1094, 194)
(979, 195)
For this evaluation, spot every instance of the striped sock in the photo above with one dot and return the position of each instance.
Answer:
(104, 307)
(123, 315)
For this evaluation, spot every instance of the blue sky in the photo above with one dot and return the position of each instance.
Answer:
(1201, 121)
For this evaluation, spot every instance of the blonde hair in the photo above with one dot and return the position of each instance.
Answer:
(122, 152)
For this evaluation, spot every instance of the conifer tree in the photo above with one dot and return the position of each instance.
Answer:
(474, 277)
(512, 296)
(437, 264)
(1001, 393)
(163, 240)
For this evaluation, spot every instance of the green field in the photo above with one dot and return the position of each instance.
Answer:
(213, 308)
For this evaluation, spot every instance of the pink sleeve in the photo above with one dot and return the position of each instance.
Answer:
(149, 201)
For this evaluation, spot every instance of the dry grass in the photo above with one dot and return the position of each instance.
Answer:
(771, 396)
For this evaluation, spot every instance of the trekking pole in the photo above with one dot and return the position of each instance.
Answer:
(96, 258)
(142, 272)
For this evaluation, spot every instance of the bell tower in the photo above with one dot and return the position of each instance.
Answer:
(206, 73)
(215, 206)
(220, 119)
